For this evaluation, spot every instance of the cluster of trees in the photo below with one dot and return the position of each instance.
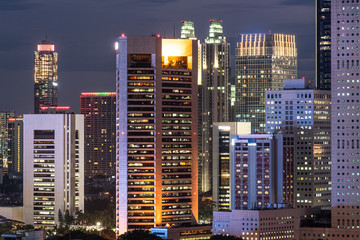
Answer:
(145, 235)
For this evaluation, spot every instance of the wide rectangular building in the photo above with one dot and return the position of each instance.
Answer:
(53, 167)
(157, 143)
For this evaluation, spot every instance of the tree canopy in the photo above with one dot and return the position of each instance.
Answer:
(138, 234)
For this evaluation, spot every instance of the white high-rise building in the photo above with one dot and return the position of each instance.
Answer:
(53, 167)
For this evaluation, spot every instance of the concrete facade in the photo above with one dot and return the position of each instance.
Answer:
(53, 167)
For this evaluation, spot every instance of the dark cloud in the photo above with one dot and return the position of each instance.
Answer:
(298, 2)
(17, 5)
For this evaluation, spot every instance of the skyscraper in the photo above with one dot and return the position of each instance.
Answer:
(302, 116)
(187, 30)
(99, 109)
(323, 44)
(15, 146)
(345, 114)
(53, 167)
(157, 152)
(4, 120)
(263, 62)
(222, 132)
(215, 98)
(45, 76)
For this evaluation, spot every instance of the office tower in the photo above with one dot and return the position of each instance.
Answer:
(263, 62)
(99, 109)
(45, 76)
(302, 116)
(323, 44)
(55, 110)
(15, 147)
(256, 171)
(4, 120)
(187, 30)
(222, 132)
(157, 115)
(53, 167)
(215, 100)
(345, 114)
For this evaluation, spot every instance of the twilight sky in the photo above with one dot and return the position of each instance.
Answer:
(84, 32)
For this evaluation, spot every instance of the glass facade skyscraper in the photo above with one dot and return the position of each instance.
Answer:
(45, 76)
(323, 44)
(215, 96)
(263, 62)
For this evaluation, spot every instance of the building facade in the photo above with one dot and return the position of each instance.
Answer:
(259, 224)
(222, 132)
(302, 116)
(323, 44)
(4, 120)
(157, 152)
(256, 171)
(187, 30)
(15, 146)
(53, 167)
(263, 62)
(99, 110)
(345, 114)
(55, 110)
(215, 95)
(45, 76)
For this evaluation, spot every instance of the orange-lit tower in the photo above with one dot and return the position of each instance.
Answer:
(45, 76)
(157, 143)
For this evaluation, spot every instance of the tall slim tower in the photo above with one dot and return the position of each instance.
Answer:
(99, 109)
(345, 114)
(323, 44)
(45, 76)
(263, 62)
(215, 98)
(157, 143)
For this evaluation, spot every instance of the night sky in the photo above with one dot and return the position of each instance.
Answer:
(84, 32)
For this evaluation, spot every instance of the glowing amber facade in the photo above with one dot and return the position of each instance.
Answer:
(45, 76)
(263, 62)
(156, 132)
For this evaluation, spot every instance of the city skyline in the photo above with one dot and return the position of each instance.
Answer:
(81, 68)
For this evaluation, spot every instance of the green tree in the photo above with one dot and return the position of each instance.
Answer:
(68, 219)
(137, 235)
(206, 210)
(223, 237)
(60, 219)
